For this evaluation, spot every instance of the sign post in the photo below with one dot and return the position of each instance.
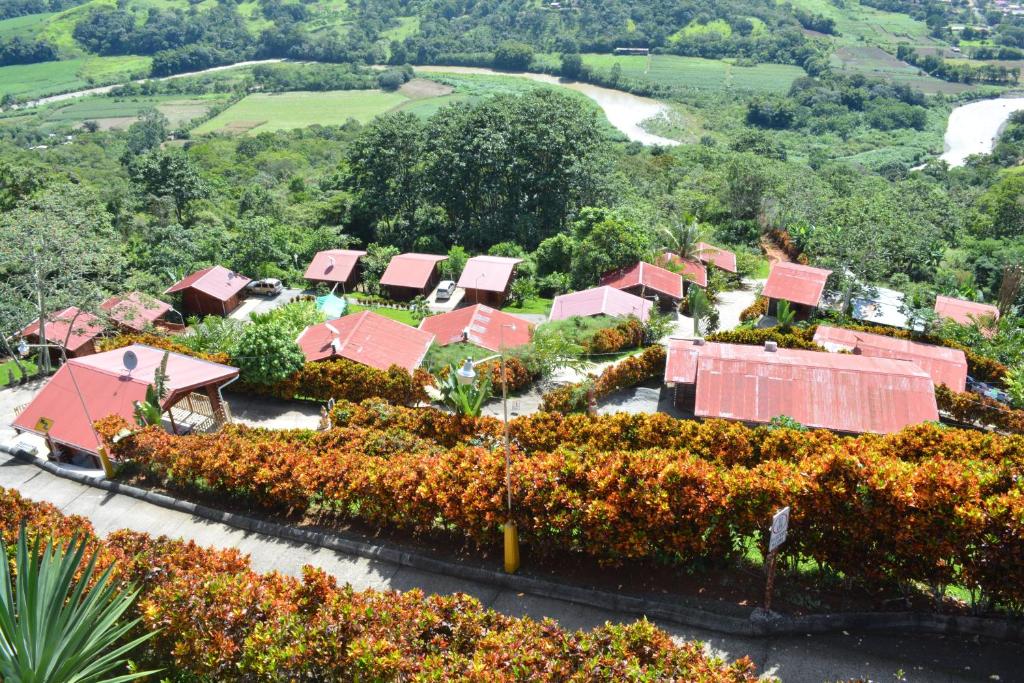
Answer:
(780, 525)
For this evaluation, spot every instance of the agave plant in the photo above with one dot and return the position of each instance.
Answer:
(464, 399)
(56, 628)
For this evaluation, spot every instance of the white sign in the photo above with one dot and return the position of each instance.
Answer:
(780, 525)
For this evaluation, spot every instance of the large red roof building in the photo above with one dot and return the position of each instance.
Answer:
(368, 338)
(842, 392)
(600, 301)
(411, 275)
(71, 328)
(211, 291)
(87, 389)
(335, 267)
(798, 284)
(944, 365)
(487, 279)
(964, 312)
(480, 325)
(644, 280)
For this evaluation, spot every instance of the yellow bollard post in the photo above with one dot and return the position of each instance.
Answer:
(511, 547)
(108, 467)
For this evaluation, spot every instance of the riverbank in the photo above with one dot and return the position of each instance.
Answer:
(974, 128)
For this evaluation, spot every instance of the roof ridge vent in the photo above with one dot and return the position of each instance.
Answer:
(771, 346)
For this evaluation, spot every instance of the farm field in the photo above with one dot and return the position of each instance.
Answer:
(119, 113)
(710, 75)
(282, 111)
(860, 24)
(47, 78)
(875, 62)
(27, 26)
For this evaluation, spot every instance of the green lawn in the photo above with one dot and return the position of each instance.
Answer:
(439, 357)
(9, 371)
(401, 316)
(536, 305)
(283, 111)
(50, 78)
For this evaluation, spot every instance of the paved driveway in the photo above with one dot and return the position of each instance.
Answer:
(264, 304)
(272, 413)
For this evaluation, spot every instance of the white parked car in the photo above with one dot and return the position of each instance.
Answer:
(445, 290)
(269, 286)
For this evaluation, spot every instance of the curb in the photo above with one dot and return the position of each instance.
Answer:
(758, 624)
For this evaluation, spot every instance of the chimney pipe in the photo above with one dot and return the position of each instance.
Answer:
(771, 346)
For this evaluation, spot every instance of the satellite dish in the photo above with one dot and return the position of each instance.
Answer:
(130, 360)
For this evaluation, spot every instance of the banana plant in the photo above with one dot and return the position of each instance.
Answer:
(148, 412)
(56, 627)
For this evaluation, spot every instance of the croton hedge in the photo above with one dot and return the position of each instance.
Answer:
(220, 621)
(971, 408)
(929, 505)
(628, 334)
(626, 373)
(755, 310)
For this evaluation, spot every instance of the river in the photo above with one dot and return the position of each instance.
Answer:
(624, 111)
(973, 128)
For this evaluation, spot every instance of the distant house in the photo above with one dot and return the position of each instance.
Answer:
(694, 272)
(715, 256)
(886, 307)
(210, 291)
(87, 389)
(480, 325)
(944, 365)
(133, 311)
(336, 267)
(411, 275)
(73, 329)
(802, 286)
(368, 338)
(964, 312)
(641, 51)
(646, 280)
(846, 393)
(600, 301)
(488, 279)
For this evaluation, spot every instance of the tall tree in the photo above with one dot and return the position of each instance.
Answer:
(171, 175)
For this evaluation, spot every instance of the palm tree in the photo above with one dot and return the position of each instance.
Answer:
(681, 238)
(55, 628)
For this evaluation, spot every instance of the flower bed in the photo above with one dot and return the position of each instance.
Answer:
(220, 621)
(929, 505)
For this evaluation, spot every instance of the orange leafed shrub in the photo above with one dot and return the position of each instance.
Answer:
(755, 310)
(971, 408)
(626, 373)
(221, 621)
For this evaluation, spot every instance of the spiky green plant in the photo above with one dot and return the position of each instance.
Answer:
(784, 315)
(464, 399)
(56, 628)
(148, 412)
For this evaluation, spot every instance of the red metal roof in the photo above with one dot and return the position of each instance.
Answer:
(333, 265)
(216, 282)
(480, 325)
(796, 283)
(134, 310)
(107, 388)
(488, 273)
(694, 271)
(84, 328)
(964, 312)
(946, 366)
(650, 277)
(843, 392)
(716, 256)
(366, 338)
(600, 301)
(411, 270)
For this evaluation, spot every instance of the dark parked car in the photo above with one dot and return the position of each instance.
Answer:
(987, 390)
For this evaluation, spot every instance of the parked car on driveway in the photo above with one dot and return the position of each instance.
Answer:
(445, 290)
(987, 390)
(269, 286)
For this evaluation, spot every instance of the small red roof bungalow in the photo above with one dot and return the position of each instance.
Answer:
(132, 312)
(487, 279)
(108, 388)
(644, 280)
(716, 256)
(411, 275)
(802, 286)
(842, 392)
(368, 338)
(600, 301)
(335, 267)
(210, 291)
(692, 271)
(964, 312)
(83, 327)
(944, 365)
(480, 325)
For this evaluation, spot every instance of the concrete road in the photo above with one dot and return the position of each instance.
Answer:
(257, 303)
(795, 659)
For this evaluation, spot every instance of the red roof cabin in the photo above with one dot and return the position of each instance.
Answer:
(411, 275)
(645, 280)
(693, 272)
(334, 267)
(846, 393)
(210, 291)
(716, 256)
(368, 338)
(135, 311)
(600, 301)
(480, 325)
(87, 389)
(965, 312)
(487, 279)
(802, 286)
(73, 329)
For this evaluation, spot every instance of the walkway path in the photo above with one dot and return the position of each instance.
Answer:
(795, 659)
